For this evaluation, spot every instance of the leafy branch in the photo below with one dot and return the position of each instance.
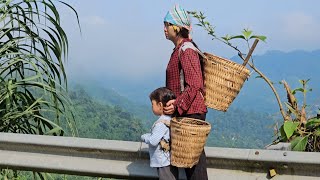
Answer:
(246, 36)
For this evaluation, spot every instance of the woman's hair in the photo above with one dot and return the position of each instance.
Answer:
(162, 95)
(183, 32)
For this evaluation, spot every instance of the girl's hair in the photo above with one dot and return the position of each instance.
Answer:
(162, 95)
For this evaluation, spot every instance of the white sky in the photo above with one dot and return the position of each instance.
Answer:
(124, 38)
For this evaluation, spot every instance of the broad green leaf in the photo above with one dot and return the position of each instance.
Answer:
(237, 37)
(317, 132)
(262, 38)
(246, 33)
(290, 127)
(299, 143)
(283, 134)
(312, 123)
(225, 38)
(298, 89)
(54, 131)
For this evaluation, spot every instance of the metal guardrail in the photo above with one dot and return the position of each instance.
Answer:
(123, 159)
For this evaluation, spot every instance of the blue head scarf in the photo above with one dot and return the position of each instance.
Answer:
(178, 16)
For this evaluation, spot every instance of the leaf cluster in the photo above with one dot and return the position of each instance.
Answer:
(33, 48)
(301, 131)
(206, 25)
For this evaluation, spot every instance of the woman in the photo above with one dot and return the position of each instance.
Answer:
(189, 101)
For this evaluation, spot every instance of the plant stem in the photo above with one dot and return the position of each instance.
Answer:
(270, 84)
(304, 94)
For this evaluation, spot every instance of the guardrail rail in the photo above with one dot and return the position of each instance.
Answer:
(129, 160)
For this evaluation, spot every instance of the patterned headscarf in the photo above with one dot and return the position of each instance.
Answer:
(178, 16)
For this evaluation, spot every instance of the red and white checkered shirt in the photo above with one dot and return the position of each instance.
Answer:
(191, 100)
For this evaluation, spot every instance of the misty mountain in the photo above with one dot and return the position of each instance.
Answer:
(276, 65)
(255, 95)
(255, 106)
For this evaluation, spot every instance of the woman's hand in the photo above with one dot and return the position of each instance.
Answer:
(169, 108)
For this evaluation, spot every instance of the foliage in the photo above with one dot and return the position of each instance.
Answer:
(8, 174)
(27, 175)
(33, 47)
(303, 132)
(102, 121)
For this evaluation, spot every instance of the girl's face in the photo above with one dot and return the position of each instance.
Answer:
(169, 31)
(157, 108)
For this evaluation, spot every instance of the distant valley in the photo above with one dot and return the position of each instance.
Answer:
(249, 123)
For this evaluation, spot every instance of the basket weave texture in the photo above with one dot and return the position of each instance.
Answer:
(188, 138)
(223, 80)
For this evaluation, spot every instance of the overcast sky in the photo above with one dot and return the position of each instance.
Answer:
(125, 38)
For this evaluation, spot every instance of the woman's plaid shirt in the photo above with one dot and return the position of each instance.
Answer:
(191, 100)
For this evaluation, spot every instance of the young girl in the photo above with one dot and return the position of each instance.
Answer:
(160, 155)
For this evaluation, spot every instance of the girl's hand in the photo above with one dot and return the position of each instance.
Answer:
(143, 137)
(169, 108)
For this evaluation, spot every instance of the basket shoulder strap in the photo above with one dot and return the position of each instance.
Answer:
(190, 45)
(165, 122)
(183, 47)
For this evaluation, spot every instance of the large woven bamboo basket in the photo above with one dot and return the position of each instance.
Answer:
(223, 80)
(188, 138)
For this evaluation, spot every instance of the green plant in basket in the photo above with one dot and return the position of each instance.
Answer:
(247, 35)
(302, 132)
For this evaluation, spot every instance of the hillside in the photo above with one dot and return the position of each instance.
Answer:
(240, 128)
(109, 96)
(96, 120)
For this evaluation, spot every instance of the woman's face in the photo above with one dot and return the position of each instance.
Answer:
(169, 31)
